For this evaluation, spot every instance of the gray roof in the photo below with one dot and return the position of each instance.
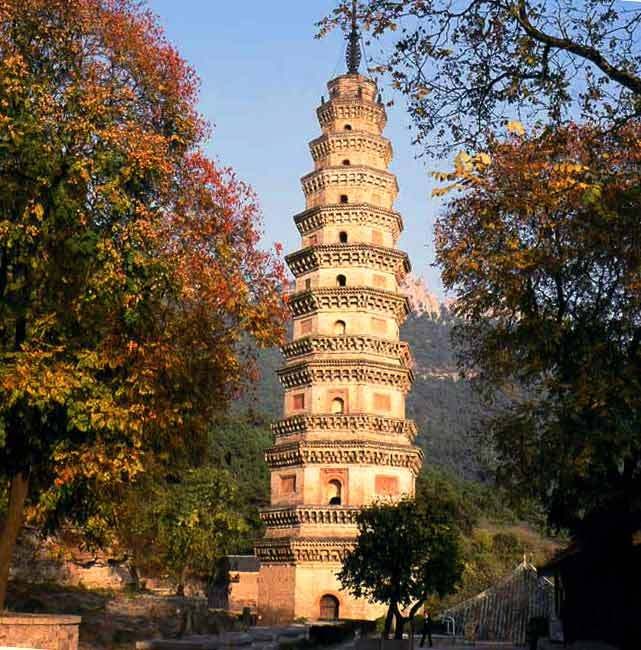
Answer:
(244, 563)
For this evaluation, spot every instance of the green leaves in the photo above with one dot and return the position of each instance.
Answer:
(404, 552)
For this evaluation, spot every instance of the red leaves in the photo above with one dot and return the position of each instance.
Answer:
(143, 257)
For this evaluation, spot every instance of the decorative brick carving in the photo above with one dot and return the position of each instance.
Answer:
(345, 370)
(343, 299)
(352, 423)
(338, 109)
(303, 550)
(353, 214)
(302, 515)
(344, 452)
(320, 344)
(349, 255)
(360, 176)
(351, 141)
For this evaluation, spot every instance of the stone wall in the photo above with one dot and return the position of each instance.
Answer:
(243, 590)
(42, 631)
(38, 560)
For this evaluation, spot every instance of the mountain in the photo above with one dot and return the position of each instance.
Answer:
(441, 403)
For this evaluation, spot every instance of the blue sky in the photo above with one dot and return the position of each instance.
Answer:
(262, 75)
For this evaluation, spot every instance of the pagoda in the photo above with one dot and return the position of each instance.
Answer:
(344, 441)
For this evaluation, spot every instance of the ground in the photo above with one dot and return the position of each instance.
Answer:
(116, 620)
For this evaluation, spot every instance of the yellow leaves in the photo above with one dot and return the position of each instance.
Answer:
(515, 127)
(468, 170)
(462, 163)
(442, 191)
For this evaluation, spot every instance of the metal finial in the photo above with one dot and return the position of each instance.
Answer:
(353, 52)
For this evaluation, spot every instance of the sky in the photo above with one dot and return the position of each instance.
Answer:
(262, 75)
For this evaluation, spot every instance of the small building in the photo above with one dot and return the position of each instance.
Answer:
(503, 611)
(598, 593)
(236, 584)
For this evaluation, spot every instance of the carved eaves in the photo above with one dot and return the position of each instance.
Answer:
(348, 141)
(340, 371)
(294, 516)
(350, 176)
(303, 303)
(346, 109)
(344, 452)
(363, 344)
(351, 214)
(279, 550)
(345, 424)
(381, 258)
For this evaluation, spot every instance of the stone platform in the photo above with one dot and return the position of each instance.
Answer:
(41, 631)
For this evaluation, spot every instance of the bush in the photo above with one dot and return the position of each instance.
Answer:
(331, 634)
(297, 644)
(363, 626)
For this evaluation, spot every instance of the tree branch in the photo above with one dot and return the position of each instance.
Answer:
(627, 79)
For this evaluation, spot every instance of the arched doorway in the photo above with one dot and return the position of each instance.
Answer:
(328, 608)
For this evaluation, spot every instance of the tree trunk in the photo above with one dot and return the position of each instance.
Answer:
(180, 589)
(17, 497)
(398, 627)
(388, 622)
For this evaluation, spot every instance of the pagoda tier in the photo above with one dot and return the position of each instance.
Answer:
(343, 442)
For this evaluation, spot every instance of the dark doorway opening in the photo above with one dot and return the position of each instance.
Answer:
(328, 608)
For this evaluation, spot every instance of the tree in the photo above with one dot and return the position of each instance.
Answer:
(404, 552)
(542, 250)
(130, 278)
(199, 521)
(468, 67)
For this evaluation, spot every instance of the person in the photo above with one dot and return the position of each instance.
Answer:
(427, 627)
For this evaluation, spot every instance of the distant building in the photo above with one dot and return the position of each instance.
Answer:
(344, 440)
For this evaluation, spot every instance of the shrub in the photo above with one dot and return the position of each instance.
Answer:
(331, 634)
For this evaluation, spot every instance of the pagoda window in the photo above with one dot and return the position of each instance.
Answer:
(288, 484)
(342, 237)
(348, 127)
(338, 405)
(308, 283)
(339, 328)
(344, 198)
(334, 491)
(386, 485)
(341, 280)
(346, 162)
(298, 402)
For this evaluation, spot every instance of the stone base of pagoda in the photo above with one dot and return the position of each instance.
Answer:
(297, 579)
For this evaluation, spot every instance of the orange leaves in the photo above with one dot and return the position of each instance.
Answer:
(130, 274)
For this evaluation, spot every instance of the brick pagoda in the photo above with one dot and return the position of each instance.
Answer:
(344, 441)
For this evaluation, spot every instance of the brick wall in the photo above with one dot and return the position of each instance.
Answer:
(42, 631)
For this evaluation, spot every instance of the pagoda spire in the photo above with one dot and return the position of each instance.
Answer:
(353, 51)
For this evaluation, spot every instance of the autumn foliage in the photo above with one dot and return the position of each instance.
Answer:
(543, 250)
(130, 274)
